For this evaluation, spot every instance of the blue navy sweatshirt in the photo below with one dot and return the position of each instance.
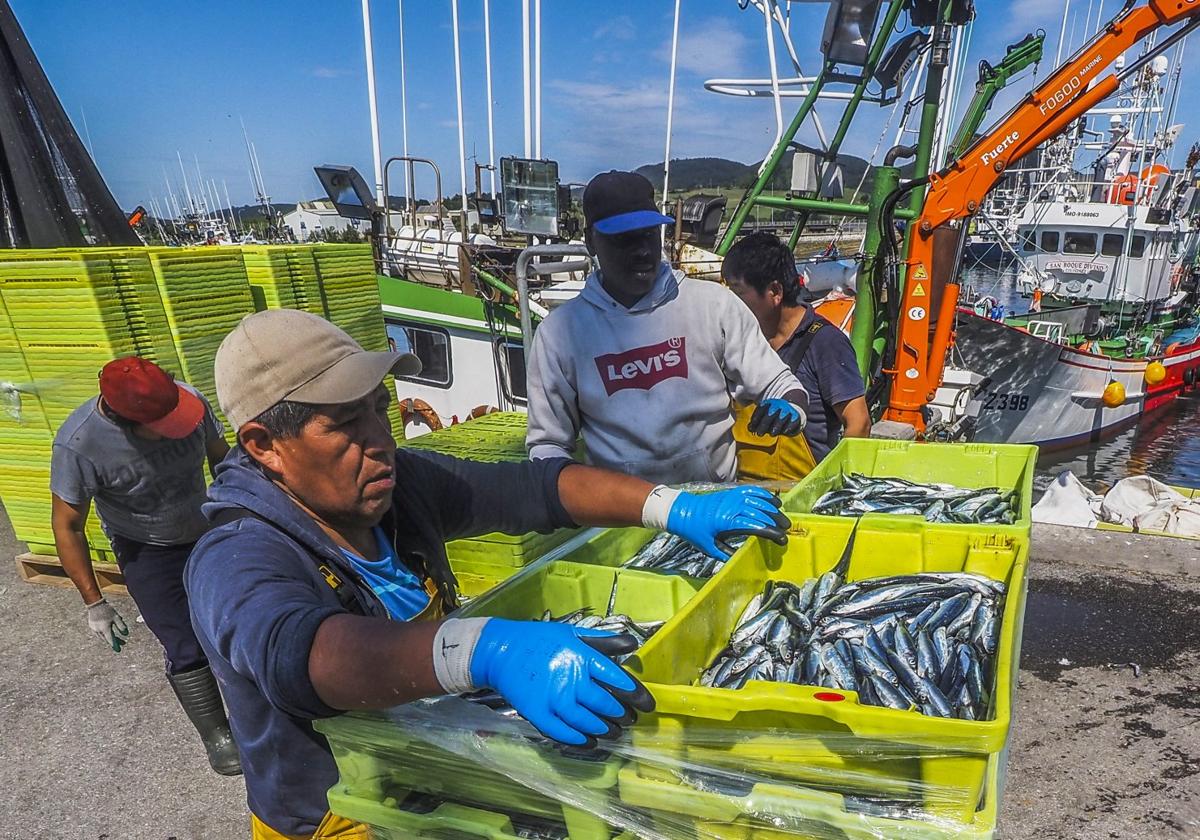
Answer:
(257, 598)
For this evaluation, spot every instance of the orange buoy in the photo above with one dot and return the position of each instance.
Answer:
(1114, 394)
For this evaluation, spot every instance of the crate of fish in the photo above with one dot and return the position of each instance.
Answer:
(737, 807)
(589, 595)
(947, 483)
(383, 768)
(649, 551)
(877, 656)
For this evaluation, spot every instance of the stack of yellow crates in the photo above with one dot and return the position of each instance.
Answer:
(283, 277)
(351, 304)
(65, 313)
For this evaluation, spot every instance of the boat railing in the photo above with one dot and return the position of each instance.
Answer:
(1052, 331)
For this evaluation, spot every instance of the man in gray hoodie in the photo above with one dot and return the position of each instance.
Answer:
(646, 362)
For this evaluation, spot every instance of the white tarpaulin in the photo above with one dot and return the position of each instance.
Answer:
(1068, 502)
(1138, 502)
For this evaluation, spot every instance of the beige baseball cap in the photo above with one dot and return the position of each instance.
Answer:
(286, 354)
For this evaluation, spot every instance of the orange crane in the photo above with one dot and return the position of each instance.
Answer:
(956, 192)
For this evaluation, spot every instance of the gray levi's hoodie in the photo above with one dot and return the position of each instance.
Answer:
(650, 386)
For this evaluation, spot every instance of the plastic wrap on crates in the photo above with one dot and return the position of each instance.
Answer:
(651, 791)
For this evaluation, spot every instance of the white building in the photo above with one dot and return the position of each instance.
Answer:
(313, 218)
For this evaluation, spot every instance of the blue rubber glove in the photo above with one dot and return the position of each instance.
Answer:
(777, 417)
(560, 678)
(707, 520)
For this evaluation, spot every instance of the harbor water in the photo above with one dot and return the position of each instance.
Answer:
(1163, 444)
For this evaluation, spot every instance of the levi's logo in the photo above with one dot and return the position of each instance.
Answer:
(643, 367)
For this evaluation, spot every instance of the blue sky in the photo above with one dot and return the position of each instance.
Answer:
(155, 78)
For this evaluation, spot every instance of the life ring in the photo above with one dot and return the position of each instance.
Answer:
(1123, 190)
(481, 410)
(415, 410)
(1171, 348)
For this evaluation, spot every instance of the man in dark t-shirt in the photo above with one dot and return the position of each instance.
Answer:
(761, 270)
(136, 452)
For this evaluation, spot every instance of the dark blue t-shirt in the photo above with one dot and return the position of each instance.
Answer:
(828, 370)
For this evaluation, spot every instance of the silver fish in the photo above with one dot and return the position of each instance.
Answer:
(932, 696)
(927, 659)
(751, 610)
(754, 630)
(963, 620)
(888, 694)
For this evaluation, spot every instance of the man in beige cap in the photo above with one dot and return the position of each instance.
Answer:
(322, 585)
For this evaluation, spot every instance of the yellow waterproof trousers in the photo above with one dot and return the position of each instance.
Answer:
(769, 458)
(332, 827)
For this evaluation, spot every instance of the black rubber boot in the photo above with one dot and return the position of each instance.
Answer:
(201, 699)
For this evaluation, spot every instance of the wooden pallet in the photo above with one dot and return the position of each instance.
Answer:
(46, 569)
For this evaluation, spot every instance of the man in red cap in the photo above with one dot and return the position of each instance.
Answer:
(138, 452)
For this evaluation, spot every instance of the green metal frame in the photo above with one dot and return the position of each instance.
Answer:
(754, 196)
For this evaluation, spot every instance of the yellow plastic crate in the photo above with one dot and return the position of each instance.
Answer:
(814, 735)
(782, 812)
(973, 465)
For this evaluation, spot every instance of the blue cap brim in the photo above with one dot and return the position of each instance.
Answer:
(637, 220)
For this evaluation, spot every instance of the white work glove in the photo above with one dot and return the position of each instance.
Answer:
(106, 622)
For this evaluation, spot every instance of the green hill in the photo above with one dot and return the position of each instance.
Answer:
(694, 174)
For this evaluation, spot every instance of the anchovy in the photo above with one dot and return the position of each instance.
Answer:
(752, 609)
(906, 646)
(948, 611)
(888, 694)
(841, 670)
(927, 659)
(964, 618)
(755, 629)
(941, 648)
(669, 554)
(936, 502)
(933, 697)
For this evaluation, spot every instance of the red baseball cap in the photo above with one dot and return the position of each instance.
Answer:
(141, 391)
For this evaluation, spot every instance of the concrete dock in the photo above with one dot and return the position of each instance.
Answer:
(1106, 742)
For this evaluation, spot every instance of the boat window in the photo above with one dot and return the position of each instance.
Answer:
(1050, 241)
(514, 371)
(1139, 247)
(1028, 242)
(1113, 245)
(430, 344)
(1079, 243)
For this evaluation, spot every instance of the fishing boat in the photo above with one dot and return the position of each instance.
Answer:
(1109, 265)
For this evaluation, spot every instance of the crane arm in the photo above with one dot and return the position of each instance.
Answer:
(992, 80)
(957, 191)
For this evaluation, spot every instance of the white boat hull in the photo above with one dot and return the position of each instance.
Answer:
(1041, 392)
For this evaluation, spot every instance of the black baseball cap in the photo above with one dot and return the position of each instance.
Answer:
(618, 202)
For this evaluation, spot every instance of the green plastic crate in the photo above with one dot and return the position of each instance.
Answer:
(813, 735)
(513, 551)
(378, 762)
(613, 547)
(974, 465)
(562, 587)
(782, 812)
